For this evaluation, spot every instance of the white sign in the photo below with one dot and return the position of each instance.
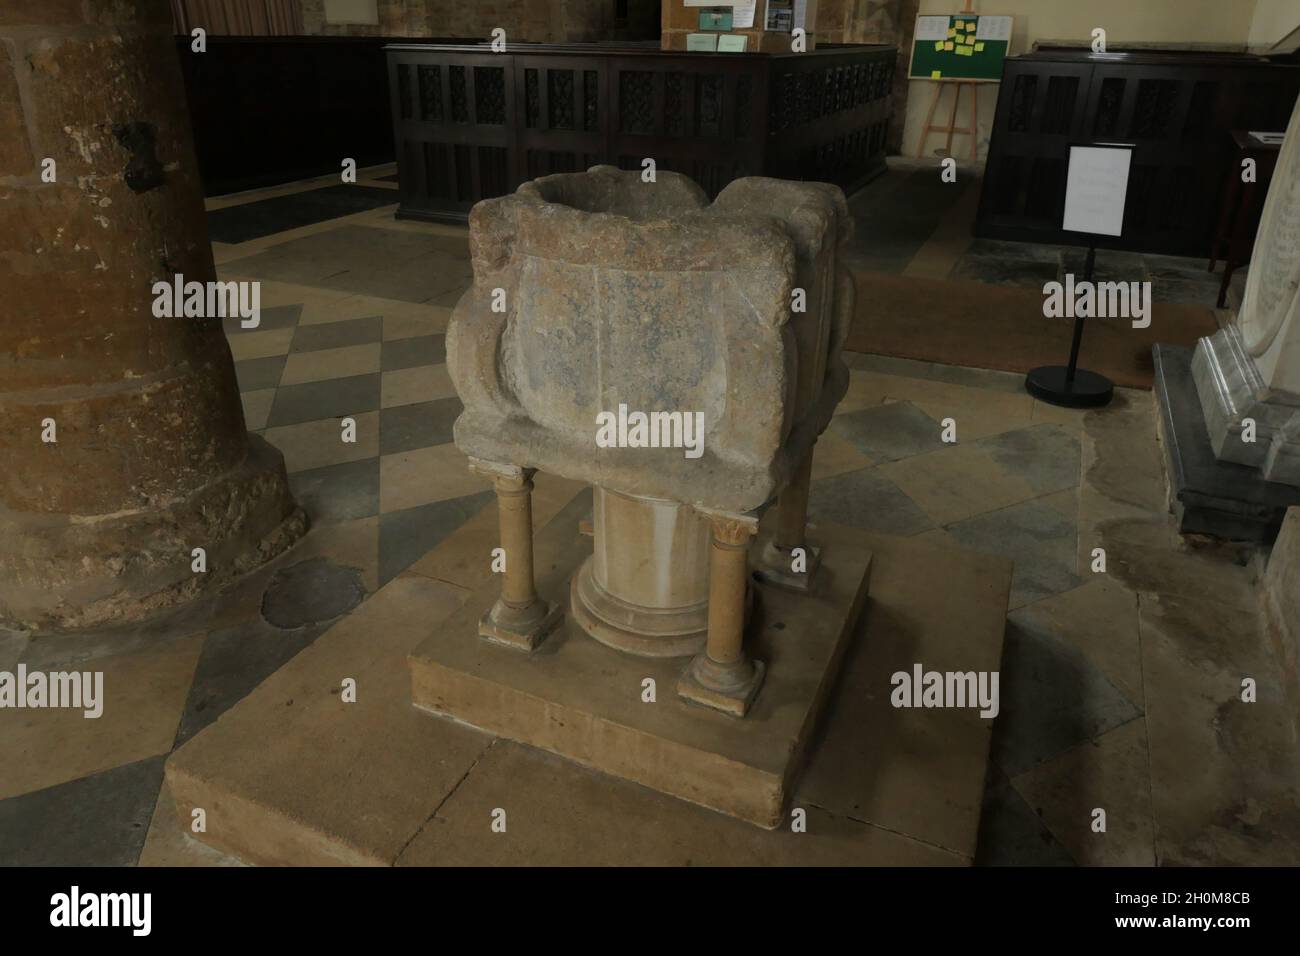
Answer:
(931, 28)
(742, 14)
(993, 28)
(1095, 189)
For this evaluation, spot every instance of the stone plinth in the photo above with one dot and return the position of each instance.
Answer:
(585, 701)
(1247, 385)
(123, 437)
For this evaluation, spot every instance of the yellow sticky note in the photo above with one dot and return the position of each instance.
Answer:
(964, 51)
(968, 39)
(979, 47)
(938, 44)
(948, 45)
(936, 74)
(952, 32)
(970, 28)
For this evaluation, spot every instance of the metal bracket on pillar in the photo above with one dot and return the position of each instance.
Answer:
(723, 677)
(520, 618)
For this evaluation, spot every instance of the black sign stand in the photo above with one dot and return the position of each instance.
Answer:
(1069, 385)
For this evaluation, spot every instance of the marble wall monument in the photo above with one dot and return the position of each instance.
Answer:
(1249, 371)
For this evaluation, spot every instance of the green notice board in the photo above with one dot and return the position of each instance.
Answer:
(963, 46)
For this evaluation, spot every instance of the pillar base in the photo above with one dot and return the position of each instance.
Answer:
(63, 573)
(730, 690)
(523, 630)
(773, 566)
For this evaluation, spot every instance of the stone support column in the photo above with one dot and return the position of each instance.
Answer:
(122, 434)
(723, 677)
(519, 618)
(777, 563)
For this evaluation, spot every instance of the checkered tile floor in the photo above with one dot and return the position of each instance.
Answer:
(354, 311)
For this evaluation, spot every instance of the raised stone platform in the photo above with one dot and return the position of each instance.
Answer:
(292, 775)
(582, 700)
(1210, 496)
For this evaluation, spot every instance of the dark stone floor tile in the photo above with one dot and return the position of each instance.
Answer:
(1186, 291)
(1039, 538)
(1005, 249)
(1045, 456)
(100, 820)
(408, 535)
(1053, 698)
(266, 217)
(338, 492)
(890, 431)
(1010, 833)
(254, 374)
(1021, 273)
(335, 398)
(1110, 265)
(1012, 383)
(311, 592)
(407, 427)
(334, 335)
(413, 352)
(868, 500)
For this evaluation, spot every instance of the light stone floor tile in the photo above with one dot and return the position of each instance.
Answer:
(1223, 771)
(834, 455)
(1109, 773)
(349, 544)
(558, 813)
(423, 383)
(407, 320)
(168, 842)
(957, 482)
(425, 475)
(143, 696)
(322, 758)
(324, 364)
(255, 345)
(461, 558)
(317, 444)
(257, 407)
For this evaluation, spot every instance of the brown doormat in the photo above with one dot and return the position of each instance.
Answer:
(962, 322)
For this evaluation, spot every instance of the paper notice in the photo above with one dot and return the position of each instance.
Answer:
(994, 28)
(742, 14)
(800, 14)
(931, 28)
(1095, 187)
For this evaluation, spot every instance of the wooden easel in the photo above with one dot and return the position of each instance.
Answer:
(952, 128)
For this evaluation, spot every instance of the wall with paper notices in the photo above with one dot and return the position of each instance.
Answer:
(763, 26)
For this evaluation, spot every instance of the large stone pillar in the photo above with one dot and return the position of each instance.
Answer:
(122, 435)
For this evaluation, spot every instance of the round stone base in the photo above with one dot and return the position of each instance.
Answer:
(67, 573)
(644, 631)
